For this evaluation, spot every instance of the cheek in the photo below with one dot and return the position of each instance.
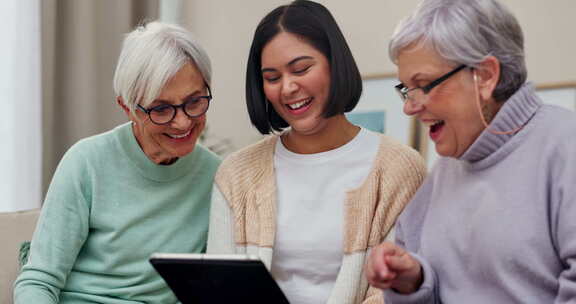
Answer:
(321, 80)
(153, 129)
(270, 92)
(201, 124)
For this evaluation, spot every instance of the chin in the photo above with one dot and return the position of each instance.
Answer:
(184, 152)
(181, 151)
(306, 128)
(445, 152)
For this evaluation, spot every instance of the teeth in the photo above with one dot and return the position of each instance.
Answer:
(298, 105)
(180, 136)
(431, 123)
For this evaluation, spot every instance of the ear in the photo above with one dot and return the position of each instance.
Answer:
(120, 102)
(487, 76)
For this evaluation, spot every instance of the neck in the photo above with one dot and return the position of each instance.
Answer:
(337, 132)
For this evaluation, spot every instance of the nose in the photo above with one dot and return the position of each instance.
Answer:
(412, 107)
(289, 86)
(181, 120)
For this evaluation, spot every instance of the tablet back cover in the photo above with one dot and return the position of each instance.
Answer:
(197, 281)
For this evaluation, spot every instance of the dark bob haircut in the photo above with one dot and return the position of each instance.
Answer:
(313, 23)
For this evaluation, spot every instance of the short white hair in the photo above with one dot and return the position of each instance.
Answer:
(151, 54)
(466, 32)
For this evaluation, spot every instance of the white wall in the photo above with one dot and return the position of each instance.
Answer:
(226, 28)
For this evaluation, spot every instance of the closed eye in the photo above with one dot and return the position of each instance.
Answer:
(271, 79)
(302, 71)
(161, 108)
(194, 99)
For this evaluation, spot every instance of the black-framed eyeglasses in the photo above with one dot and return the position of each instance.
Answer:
(414, 93)
(194, 106)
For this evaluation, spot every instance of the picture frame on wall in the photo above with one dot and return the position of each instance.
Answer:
(380, 109)
(560, 94)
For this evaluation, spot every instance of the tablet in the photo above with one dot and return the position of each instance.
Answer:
(212, 278)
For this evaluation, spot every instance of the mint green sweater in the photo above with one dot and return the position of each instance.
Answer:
(107, 210)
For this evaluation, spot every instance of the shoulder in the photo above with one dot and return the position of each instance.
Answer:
(554, 137)
(399, 159)
(92, 147)
(552, 130)
(77, 166)
(206, 157)
(246, 159)
(557, 121)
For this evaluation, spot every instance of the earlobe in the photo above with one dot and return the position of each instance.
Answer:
(488, 75)
(120, 102)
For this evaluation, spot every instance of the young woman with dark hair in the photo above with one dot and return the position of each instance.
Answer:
(313, 198)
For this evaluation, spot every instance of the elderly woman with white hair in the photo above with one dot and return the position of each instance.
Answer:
(494, 222)
(143, 187)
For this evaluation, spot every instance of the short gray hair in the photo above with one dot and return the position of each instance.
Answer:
(151, 54)
(466, 32)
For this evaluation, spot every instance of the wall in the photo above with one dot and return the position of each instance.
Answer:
(226, 28)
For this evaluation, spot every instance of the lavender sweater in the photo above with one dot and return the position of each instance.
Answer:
(498, 225)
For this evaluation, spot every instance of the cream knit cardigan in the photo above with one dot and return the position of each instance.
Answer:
(243, 212)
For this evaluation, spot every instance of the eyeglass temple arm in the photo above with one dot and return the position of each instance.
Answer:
(434, 83)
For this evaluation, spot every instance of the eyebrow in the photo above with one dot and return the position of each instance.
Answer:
(412, 79)
(292, 62)
(193, 94)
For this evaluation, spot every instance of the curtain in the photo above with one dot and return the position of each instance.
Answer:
(81, 41)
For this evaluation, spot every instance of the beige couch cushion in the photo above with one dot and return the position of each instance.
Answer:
(15, 228)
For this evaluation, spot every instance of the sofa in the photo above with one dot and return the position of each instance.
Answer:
(15, 229)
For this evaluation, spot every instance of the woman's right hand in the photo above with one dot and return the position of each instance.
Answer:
(391, 266)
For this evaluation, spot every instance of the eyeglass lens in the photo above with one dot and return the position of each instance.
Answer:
(165, 113)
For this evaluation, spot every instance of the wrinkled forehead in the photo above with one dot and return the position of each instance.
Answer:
(419, 58)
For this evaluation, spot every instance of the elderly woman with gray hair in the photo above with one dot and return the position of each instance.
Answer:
(140, 188)
(494, 222)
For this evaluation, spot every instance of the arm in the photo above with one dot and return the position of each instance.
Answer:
(221, 229)
(408, 232)
(563, 204)
(405, 276)
(410, 173)
(60, 233)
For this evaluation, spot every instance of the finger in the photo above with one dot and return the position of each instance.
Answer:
(380, 271)
(388, 250)
(376, 267)
(382, 286)
(401, 263)
(369, 268)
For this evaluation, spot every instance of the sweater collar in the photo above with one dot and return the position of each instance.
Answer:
(516, 112)
(148, 169)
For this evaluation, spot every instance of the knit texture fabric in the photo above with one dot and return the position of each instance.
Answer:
(107, 210)
(246, 180)
(498, 224)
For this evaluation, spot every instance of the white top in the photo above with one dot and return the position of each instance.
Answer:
(312, 188)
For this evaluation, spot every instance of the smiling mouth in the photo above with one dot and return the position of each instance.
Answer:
(180, 136)
(300, 104)
(436, 126)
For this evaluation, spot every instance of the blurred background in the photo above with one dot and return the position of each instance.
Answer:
(58, 58)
